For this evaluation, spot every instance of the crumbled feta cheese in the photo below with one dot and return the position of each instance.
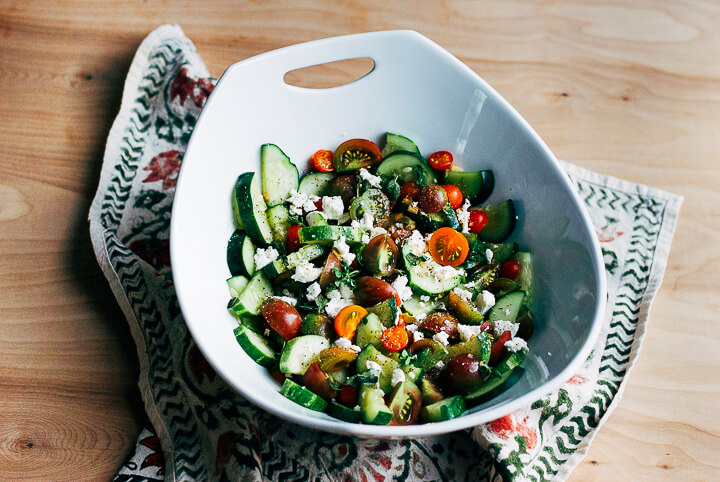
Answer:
(421, 304)
(300, 201)
(488, 301)
(344, 250)
(398, 377)
(264, 257)
(424, 298)
(440, 364)
(441, 337)
(507, 311)
(306, 272)
(356, 408)
(313, 291)
(364, 175)
(501, 326)
(401, 286)
(267, 332)
(516, 344)
(463, 215)
(420, 316)
(372, 365)
(416, 243)
(377, 231)
(442, 273)
(333, 207)
(412, 328)
(463, 294)
(489, 255)
(346, 344)
(346, 291)
(470, 285)
(287, 299)
(336, 302)
(365, 238)
(417, 336)
(468, 331)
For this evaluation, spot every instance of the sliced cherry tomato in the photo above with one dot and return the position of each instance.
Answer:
(478, 220)
(510, 269)
(293, 241)
(356, 153)
(486, 326)
(395, 338)
(409, 191)
(323, 160)
(347, 321)
(498, 348)
(440, 160)
(448, 247)
(348, 395)
(454, 194)
(318, 204)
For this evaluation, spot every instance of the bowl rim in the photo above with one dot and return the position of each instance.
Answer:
(467, 420)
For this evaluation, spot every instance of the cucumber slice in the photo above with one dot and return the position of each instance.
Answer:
(279, 220)
(342, 412)
(274, 269)
(252, 297)
(305, 253)
(302, 396)
(421, 278)
(404, 165)
(500, 375)
(241, 254)
(372, 406)
(300, 352)
(316, 218)
(507, 307)
(524, 277)
(445, 409)
(500, 222)
(315, 183)
(475, 186)
(387, 365)
(250, 208)
(451, 219)
(479, 346)
(237, 284)
(325, 235)
(416, 307)
(279, 175)
(396, 142)
(369, 331)
(386, 311)
(255, 345)
(256, 324)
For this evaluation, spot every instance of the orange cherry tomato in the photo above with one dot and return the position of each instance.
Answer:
(357, 153)
(323, 160)
(455, 197)
(347, 321)
(395, 338)
(440, 160)
(448, 247)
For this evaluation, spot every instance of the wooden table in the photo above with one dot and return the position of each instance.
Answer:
(624, 88)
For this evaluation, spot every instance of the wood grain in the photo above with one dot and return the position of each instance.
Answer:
(630, 89)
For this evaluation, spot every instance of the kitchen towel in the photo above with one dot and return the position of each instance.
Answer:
(199, 428)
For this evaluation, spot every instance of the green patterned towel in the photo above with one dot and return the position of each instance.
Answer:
(201, 429)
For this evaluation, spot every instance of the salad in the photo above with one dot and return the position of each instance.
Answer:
(378, 288)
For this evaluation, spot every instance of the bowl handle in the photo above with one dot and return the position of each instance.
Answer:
(390, 50)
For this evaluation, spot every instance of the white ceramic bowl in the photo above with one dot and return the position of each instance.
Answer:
(420, 90)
